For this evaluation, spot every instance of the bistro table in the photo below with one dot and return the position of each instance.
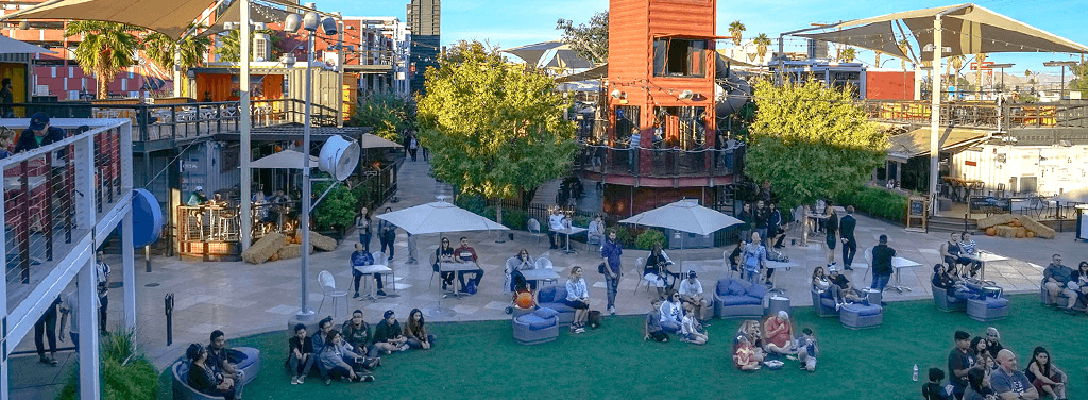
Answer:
(774, 278)
(540, 275)
(983, 258)
(368, 271)
(568, 232)
(899, 263)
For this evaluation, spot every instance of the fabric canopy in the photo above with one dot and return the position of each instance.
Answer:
(599, 72)
(285, 159)
(685, 216)
(439, 217)
(12, 46)
(257, 13)
(372, 141)
(550, 54)
(966, 29)
(915, 143)
(171, 17)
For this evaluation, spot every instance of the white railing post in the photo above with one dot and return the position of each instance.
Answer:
(87, 297)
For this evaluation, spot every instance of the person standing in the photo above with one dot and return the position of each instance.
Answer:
(7, 97)
(846, 236)
(755, 259)
(412, 254)
(362, 226)
(882, 264)
(746, 217)
(102, 271)
(387, 234)
(832, 227)
(613, 270)
(69, 309)
(47, 325)
(774, 226)
(759, 219)
(412, 144)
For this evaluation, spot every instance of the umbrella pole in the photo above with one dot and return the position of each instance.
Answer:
(438, 310)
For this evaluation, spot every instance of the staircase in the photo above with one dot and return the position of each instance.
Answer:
(947, 224)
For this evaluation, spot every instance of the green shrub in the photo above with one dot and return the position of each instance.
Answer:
(515, 218)
(877, 202)
(125, 373)
(626, 235)
(649, 238)
(582, 221)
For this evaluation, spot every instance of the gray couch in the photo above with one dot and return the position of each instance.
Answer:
(945, 301)
(735, 298)
(861, 316)
(537, 327)
(1062, 298)
(554, 297)
(824, 306)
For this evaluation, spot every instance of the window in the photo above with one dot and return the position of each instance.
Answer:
(679, 58)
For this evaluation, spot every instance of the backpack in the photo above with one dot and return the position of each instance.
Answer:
(594, 319)
(470, 288)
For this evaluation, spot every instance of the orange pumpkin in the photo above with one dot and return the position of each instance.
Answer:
(991, 231)
(275, 257)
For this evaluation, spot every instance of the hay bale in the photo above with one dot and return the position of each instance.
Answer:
(290, 251)
(991, 231)
(318, 240)
(994, 220)
(1006, 231)
(1032, 225)
(263, 250)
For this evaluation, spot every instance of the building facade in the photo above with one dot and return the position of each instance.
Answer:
(425, 25)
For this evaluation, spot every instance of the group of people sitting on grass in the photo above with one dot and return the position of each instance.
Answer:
(677, 314)
(351, 353)
(753, 347)
(982, 368)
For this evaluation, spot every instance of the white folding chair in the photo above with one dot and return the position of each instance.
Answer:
(328, 289)
(534, 229)
(640, 265)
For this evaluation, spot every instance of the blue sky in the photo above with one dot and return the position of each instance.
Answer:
(518, 22)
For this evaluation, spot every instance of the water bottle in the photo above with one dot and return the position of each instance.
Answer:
(915, 373)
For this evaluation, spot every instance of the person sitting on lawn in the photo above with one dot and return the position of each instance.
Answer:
(777, 334)
(933, 390)
(1045, 376)
(1008, 382)
(960, 360)
(467, 254)
(981, 357)
(357, 334)
(416, 331)
(317, 340)
(672, 313)
(807, 350)
(389, 332)
(842, 291)
(993, 342)
(690, 329)
(203, 379)
(744, 356)
(652, 328)
(657, 271)
(300, 356)
(977, 388)
(339, 361)
(691, 292)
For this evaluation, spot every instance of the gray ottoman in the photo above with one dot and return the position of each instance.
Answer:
(861, 316)
(988, 308)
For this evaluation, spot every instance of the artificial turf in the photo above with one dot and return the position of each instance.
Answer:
(479, 360)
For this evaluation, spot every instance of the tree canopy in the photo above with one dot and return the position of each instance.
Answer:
(106, 49)
(386, 113)
(160, 49)
(811, 141)
(591, 42)
(493, 128)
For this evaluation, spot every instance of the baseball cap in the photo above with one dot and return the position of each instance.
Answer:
(38, 121)
(691, 274)
(199, 188)
(833, 268)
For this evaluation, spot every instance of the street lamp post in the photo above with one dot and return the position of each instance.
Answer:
(1063, 64)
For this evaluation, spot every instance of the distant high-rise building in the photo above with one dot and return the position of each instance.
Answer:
(425, 24)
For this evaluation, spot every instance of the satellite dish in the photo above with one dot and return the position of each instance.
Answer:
(339, 157)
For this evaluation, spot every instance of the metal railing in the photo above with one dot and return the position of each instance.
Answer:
(983, 114)
(660, 163)
(55, 193)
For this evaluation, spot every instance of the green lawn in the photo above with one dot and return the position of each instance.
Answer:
(478, 360)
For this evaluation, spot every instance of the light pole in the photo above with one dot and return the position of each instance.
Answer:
(310, 22)
(1002, 68)
(1063, 64)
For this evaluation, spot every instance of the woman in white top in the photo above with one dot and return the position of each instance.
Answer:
(672, 313)
(577, 298)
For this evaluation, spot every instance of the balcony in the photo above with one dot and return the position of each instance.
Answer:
(981, 114)
(659, 167)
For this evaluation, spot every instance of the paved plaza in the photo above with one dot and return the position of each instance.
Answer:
(243, 299)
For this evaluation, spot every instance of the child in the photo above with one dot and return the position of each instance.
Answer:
(689, 328)
(807, 350)
(652, 328)
(933, 389)
(743, 358)
(7, 139)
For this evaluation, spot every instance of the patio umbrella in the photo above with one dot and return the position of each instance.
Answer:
(1078, 196)
(9, 46)
(439, 217)
(372, 141)
(287, 159)
(684, 216)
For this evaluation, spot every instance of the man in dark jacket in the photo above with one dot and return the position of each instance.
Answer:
(882, 263)
(846, 236)
(388, 331)
(39, 134)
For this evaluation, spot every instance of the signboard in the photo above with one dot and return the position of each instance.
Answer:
(917, 214)
(990, 205)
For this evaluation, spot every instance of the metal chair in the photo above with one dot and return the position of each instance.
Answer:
(534, 229)
(434, 268)
(328, 289)
(640, 266)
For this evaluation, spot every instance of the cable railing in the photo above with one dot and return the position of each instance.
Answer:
(983, 114)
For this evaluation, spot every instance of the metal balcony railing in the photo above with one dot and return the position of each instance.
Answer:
(660, 163)
(55, 194)
(983, 114)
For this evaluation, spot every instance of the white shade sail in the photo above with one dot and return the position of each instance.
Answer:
(685, 216)
(372, 141)
(285, 159)
(12, 46)
(439, 217)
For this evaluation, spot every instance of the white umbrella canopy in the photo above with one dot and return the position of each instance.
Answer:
(439, 217)
(372, 141)
(685, 216)
(289, 159)
(13, 46)
(1078, 195)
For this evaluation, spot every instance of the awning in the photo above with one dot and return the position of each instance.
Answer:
(257, 13)
(172, 18)
(285, 159)
(599, 72)
(966, 29)
(916, 142)
(550, 54)
(13, 46)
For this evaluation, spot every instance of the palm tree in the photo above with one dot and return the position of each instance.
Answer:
(847, 55)
(736, 28)
(979, 59)
(160, 49)
(761, 42)
(904, 46)
(955, 63)
(106, 49)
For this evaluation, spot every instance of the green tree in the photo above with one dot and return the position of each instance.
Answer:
(848, 55)
(811, 141)
(160, 49)
(736, 29)
(492, 128)
(337, 210)
(106, 49)
(230, 45)
(591, 42)
(1080, 78)
(761, 42)
(387, 114)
